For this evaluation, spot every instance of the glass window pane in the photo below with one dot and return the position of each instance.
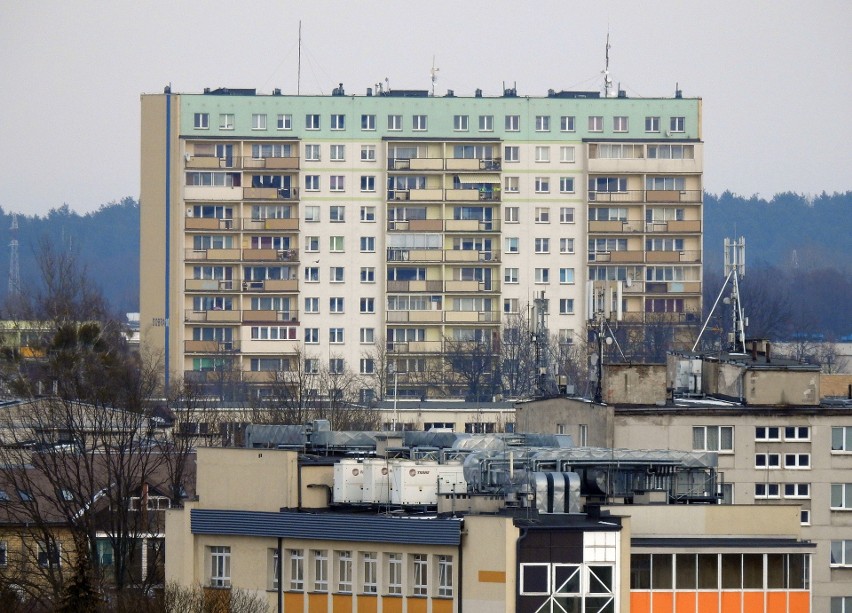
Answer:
(661, 569)
(732, 571)
(698, 438)
(798, 571)
(640, 571)
(708, 571)
(600, 579)
(535, 579)
(566, 579)
(775, 571)
(685, 571)
(727, 438)
(753, 571)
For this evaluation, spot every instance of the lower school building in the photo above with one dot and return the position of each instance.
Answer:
(265, 521)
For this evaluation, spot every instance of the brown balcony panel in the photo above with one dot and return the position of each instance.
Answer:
(282, 224)
(260, 193)
(463, 195)
(424, 195)
(463, 164)
(206, 162)
(673, 195)
(290, 163)
(630, 257)
(210, 346)
(606, 226)
(260, 255)
(209, 285)
(281, 285)
(426, 225)
(635, 195)
(203, 223)
(663, 257)
(223, 255)
(426, 164)
(684, 226)
(223, 316)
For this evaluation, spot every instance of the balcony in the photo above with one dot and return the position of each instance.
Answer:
(207, 162)
(618, 257)
(395, 254)
(472, 195)
(680, 227)
(212, 347)
(673, 257)
(415, 347)
(260, 225)
(415, 164)
(209, 285)
(208, 223)
(666, 195)
(415, 286)
(468, 287)
(271, 285)
(470, 255)
(280, 163)
(471, 225)
(251, 316)
(212, 192)
(212, 255)
(466, 317)
(212, 316)
(270, 255)
(473, 164)
(673, 287)
(417, 225)
(271, 193)
(422, 317)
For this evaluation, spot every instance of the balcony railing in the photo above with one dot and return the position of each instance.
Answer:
(690, 256)
(215, 315)
(415, 286)
(212, 347)
(678, 226)
(257, 316)
(451, 164)
(242, 255)
(260, 225)
(208, 223)
(202, 162)
(210, 285)
(437, 194)
(448, 225)
(650, 195)
(437, 317)
(271, 285)
(212, 255)
(280, 163)
(399, 254)
(271, 193)
(672, 287)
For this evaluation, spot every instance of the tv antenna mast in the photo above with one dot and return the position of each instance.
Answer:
(607, 78)
(544, 382)
(14, 265)
(734, 271)
(434, 74)
(600, 298)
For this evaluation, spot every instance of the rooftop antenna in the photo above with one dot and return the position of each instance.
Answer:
(601, 298)
(434, 73)
(734, 270)
(544, 382)
(14, 266)
(299, 68)
(607, 78)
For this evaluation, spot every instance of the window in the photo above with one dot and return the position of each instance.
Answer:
(542, 275)
(665, 183)
(595, 123)
(542, 185)
(201, 121)
(335, 305)
(320, 570)
(767, 461)
(284, 122)
(312, 274)
(797, 433)
(419, 579)
(652, 124)
(311, 366)
(368, 213)
(336, 274)
(312, 244)
(511, 305)
(368, 244)
(767, 433)
(841, 553)
(370, 573)
(368, 305)
(841, 604)
(4, 553)
(566, 276)
(542, 123)
(511, 153)
(797, 490)
(510, 214)
(368, 153)
(713, 438)
(566, 215)
(566, 185)
(619, 124)
(337, 183)
(510, 275)
(486, 123)
(311, 305)
(367, 336)
(335, 244)
(337, 213)
(676, 124)
(368, 183)
(312, 183)
(566, 245)
(394, 564)
(368, 274)
(226, 121)
(312, 122)
(338, 153)
(312, 153)
(368, 122)
(418, 123)
(566, 306)
(542, 154)
(767, 490)
(798, 461)
(338, 122)
(296, 569)
(513, 123)
(311, 336)
(512, 244)
(841, 496)
(445, 576)
(511, 185)
(566, 123)
(542, 245)
(220, 566)
(368, 366)
(542, 214)
(566, 155)
(395, 123)
(48, 554)
(460, 123)
(258, 121)
(841, 439)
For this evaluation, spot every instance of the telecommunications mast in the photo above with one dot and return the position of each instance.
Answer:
(603, 305)
(734, 271)
(14, 265)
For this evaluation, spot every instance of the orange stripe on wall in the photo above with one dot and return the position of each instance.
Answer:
(441, 606)
(640, 602)
(753, 602)
(685, 602)
(317, 603)
(294, 601)
(492, 576)
(776, 602)
(732, 602)
(416, 605)
(800, 602)
(663, 602)
(367, 604)
(708, 602)
(392, 604)
(341, 603)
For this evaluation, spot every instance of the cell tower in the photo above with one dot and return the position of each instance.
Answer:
(545, 383)
(734, 271)
(603, 307)
(14, 266)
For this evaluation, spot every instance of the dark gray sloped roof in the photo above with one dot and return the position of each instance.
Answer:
(328, 526)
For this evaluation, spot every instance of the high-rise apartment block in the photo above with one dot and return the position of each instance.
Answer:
(376, 234)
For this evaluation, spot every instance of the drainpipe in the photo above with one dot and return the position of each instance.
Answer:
(460, 591)
(280, 577)
(517, 566)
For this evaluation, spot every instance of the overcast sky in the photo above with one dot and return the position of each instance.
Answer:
(774, 76)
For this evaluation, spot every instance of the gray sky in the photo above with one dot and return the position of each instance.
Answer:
(774, 76)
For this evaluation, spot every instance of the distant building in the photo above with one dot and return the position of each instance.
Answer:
(380, 233)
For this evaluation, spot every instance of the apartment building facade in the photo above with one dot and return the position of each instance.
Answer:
(377, 234)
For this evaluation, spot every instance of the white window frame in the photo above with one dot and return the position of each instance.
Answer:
(313, 152)
(567, 276)
(368, 123)
(420, 574)
(511, 214)
(566, 306)
(542, 185)
(320, 567)
(296, 569)
(510, 275)
(368, 244)
(226, 121)
(394, 123)
(337, 183)
(844, 548)
(201, 121)
(677, 124)
(367, 305)
(338, 121)
(313, 121)
(258, 121)
(620, 123)
(336, 274)
(566, 214)
(842, 493)
(486, 123)
(368, 274)
(541, 276)
(336, 304)
(511, 153)
(368, 153)
(512, 123)
(567, 154)
(419, 123)
(284, 121)
(312, 304)
(344, 572)
(445, 576)
(220, 566)
(799, 491)
(567, 123)
(841, 439)
(541, 245)
(566, 245)
(368, 183)
(797, 433)
(512, 244)
(337, 153)
(311, 336)
(566, 185)
(542, 154)
(337, 244)
(312, 183)
(370, 572)
(368, 214)
(542, 123)
(394, 567)
(652, 124)
(596, 123)
(797, 461)
(767, 491)
(541, 214)
(706, 446)
(367, 336)
(461, 123)
(768, 463)
(337, 213)
(767, 434)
